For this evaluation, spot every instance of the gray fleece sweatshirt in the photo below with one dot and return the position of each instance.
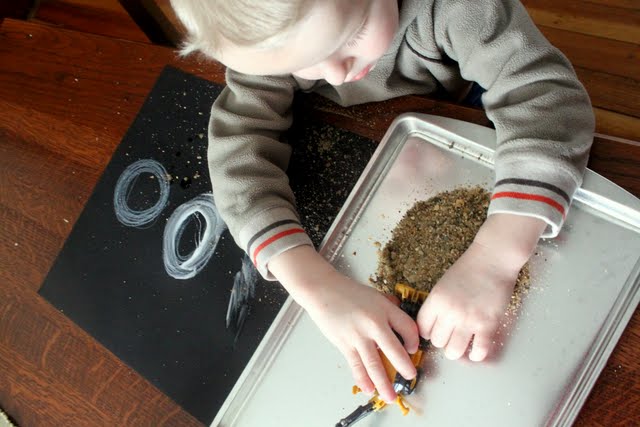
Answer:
(541, 112)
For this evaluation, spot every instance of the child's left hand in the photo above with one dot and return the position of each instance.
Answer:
(469, 301)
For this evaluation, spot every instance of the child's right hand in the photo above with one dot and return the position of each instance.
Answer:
(356, 318)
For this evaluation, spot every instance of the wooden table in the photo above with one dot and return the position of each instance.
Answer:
(66, 100)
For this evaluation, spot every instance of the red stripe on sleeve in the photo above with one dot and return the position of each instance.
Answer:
(273, 239)
(525, 196)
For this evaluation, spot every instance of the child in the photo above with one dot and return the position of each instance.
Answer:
(357, 51)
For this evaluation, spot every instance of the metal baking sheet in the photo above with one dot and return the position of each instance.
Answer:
(545, 359)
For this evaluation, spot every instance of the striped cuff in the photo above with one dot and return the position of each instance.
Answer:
(531, 197)
(274, 231)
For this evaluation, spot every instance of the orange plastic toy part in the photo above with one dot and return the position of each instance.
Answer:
(407, 293)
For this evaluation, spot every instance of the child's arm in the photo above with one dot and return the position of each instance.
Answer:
(247, 164)
(542, 114)
(544, 126)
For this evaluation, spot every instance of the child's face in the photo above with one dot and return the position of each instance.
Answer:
(339, 41)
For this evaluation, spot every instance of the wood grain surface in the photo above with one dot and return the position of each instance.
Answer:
(66, 100)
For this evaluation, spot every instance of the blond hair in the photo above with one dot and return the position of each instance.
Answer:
(255, 23)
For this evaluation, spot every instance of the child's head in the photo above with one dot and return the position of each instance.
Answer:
(335, 40)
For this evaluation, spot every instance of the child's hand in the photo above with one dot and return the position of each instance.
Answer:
(356, 318)
(470, 300)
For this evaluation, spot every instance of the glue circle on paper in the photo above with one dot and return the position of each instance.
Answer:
(124, 186)
(186, 267)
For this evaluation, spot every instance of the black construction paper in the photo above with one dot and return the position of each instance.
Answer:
(110, 277)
